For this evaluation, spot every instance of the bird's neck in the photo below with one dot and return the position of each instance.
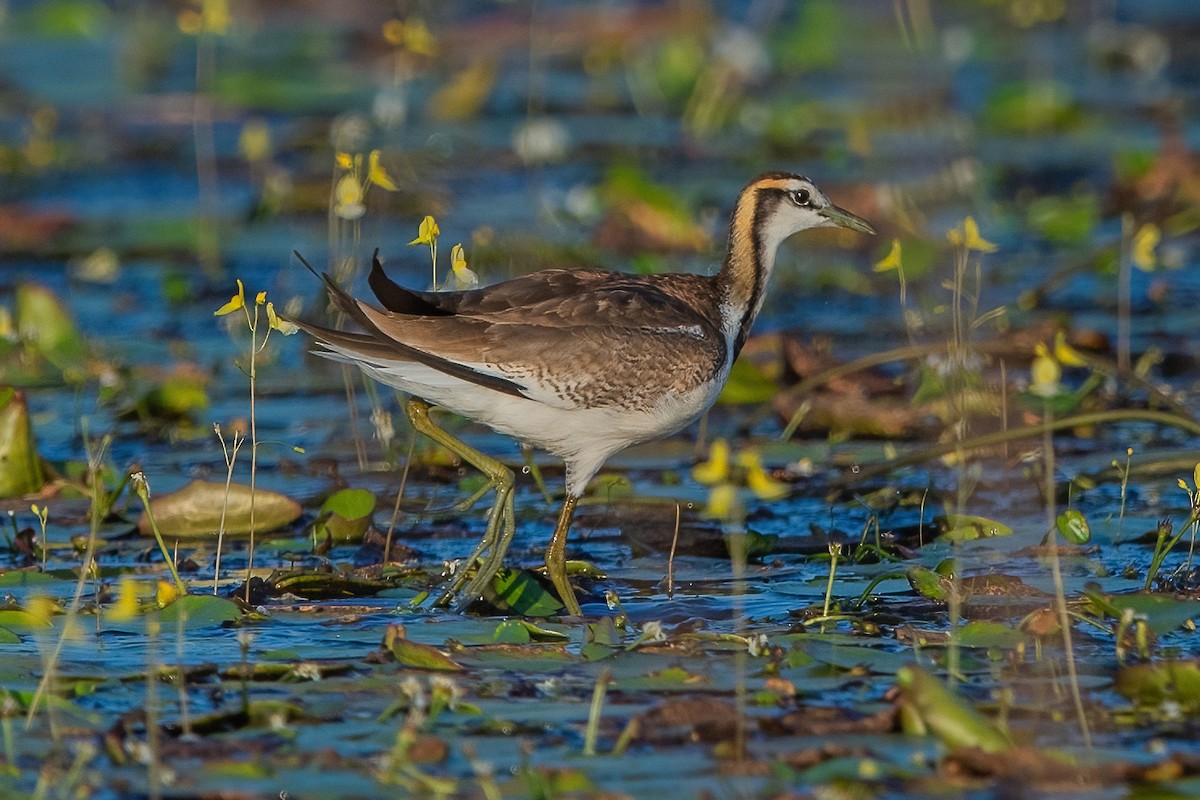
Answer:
(749, 260)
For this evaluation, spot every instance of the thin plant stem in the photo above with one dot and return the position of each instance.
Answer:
(592, 733)
(230, 460)
(153, 767)
(1060, 594)
(671, 556)
(412, 445)
(95, 468)
(143, 491)
(835, 550)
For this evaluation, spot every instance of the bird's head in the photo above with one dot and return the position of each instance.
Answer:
(784, 204)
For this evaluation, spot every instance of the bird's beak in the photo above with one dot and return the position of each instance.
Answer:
(844, 219)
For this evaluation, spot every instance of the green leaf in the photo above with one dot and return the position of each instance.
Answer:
(927, 702)
(1163, 613)
(601, 640)
(349, 514)
(21, 470)
(194, 512)
(518, 591)
(199, 610)
(350, 504)
(928, 583)
(44, 322)
(8, 637)
(422, 656)
(519, 631)
(965, 527)
(1074, 527)
(511, 631)
(1065, 220)
(1158, 682)
(989, 635)
(21, 578)
(16, 620)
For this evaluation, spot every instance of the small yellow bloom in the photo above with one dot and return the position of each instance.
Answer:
(282, 325)
(892, 260)
(238, 301)
(343, 160)
(461, 277)
(1045, 374)
(763, 485)
(260, 298)
(1065, 354)
(427, 232)
(418, 38)
(128, 605)
(969, 237)
(254, 142)
(1145, 243)
(41, 608)
(165, 593)
(215, 14)
(722, 501)
(348, 198)
(393, 32)
(716, 469)
(377, 175)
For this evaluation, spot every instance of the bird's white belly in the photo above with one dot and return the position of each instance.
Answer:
(583, 437)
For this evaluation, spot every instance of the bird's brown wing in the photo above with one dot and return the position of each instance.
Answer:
(558, 335)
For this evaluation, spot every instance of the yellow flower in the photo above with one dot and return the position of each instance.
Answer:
(716, 469)
(427, 232)
(1045, 374)
(892, 260)
(461, 277)
(128, 605)
(238, 301)
(215, 14)
(1145, 242)
(41, 608)
(1065, 354)
(969, 237)
(377, 175)
(418, 38)
(165, 593)
(282, 325)
(393, 32)
(343, 161)
(254, 142)
(260, 298)
(763, 485)
(348, 198)
(722, 501)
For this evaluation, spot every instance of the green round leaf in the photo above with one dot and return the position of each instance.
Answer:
(1074, 527)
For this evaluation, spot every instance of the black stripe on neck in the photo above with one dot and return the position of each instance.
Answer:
(765, 201)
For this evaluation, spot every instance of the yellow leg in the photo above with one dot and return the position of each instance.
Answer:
(556, 557)
(501, 524)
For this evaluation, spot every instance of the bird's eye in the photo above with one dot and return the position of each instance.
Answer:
(802, 197)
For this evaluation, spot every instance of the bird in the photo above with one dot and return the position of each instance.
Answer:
(580, 363)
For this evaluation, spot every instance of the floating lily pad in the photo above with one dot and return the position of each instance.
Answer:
(199, 610)
(194, 512)
(346, 514)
